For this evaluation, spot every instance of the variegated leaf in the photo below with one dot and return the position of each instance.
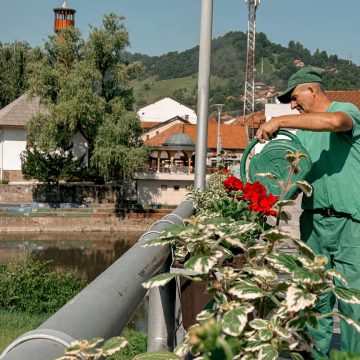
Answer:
(247, 291)
(158, 242)
(305, 187)
(254, 346)
(182, 349)
(201, 264)
(262, 272)
(351, 296)
(306, 276)
(205, 314)
(113, 345)
(259, 324)
(283, 262)
(157, 356)
(235, 320)
(159, 280)
(351, 322)
(282, 332)
(334, 273)
(268, 352)
(265, 334)
(296, 356)
(275, 235)
(282, 203)
(268, 175)
(304, 248)
(298, 299)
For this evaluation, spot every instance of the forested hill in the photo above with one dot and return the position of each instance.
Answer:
(274, 64)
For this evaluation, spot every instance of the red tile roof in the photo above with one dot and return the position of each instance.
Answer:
(232, 136)
(352, 96)
(149, 124)
(254, 119)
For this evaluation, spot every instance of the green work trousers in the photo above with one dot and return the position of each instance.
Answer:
(339, 239)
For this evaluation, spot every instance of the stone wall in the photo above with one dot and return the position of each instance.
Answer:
(80, 194)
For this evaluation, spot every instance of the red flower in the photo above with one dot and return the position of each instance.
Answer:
(232, 183)
(264, 205)
(254, 191)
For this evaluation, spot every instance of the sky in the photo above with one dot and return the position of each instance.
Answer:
(160, 26)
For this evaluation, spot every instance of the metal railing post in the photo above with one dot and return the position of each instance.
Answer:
(203, 93)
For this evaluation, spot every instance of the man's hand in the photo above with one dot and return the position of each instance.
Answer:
(266, 131)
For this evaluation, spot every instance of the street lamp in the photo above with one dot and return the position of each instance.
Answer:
(218, 144)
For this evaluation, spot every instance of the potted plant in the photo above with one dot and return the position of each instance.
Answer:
(260, 309)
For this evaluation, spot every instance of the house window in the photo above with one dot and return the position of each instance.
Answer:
(176, 187)
(164, 187)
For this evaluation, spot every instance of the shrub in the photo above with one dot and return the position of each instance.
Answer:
(27, 285)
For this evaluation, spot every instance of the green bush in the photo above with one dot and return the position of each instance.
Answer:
(136, 345)
(28, 285)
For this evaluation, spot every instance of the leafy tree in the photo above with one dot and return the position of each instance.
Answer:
(52, 167)
(14, 58)
(85, 87)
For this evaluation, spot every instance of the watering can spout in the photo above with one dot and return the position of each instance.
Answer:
(272, 159)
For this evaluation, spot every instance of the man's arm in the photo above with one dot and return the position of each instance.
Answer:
(322, 121)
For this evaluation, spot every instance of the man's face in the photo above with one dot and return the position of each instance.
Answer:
(302, 98)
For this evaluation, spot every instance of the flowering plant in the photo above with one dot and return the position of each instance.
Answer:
(261, 309)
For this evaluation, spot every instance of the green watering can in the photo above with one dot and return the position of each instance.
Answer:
(272, 159)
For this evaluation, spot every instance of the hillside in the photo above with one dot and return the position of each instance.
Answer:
(175, 73)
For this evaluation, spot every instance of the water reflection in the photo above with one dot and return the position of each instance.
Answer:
(88, 254)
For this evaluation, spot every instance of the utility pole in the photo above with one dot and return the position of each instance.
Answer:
(218, 143)
(249, 94)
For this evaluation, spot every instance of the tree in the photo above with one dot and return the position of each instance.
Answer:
(85, 87)
(14, 58)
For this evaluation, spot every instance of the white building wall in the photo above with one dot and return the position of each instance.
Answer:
(162, 192)
(14, 142)
(166, 109)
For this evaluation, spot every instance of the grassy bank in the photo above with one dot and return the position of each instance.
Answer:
(13, 324)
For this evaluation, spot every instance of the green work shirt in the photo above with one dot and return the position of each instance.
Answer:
(335, 173)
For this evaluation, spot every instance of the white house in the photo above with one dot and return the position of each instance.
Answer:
(13, 120)
(166, 109)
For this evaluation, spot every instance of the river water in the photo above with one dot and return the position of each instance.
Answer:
(87, 254)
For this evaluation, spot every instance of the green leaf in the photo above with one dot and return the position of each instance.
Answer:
(305, 187)
(268, 352)
(351, 296)
(296, 356)
(158, 242)
(157, 356)
(298, 298)
(265, 334)
(159, 280)
(262, 272)
(235, 320)
(205, 314)
(247, 291)
(275, 235)
(306, 276)
(259, 324)
(351, 322)
(304, 248)
(113, 345)
(283, 262)
(282, 203)
(334, 273)
(201, 264)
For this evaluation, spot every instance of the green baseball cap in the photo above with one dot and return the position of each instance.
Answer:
(304, 75)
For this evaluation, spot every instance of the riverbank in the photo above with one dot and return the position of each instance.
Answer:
(136, 222)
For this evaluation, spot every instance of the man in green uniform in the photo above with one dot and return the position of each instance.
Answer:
(330, 222)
